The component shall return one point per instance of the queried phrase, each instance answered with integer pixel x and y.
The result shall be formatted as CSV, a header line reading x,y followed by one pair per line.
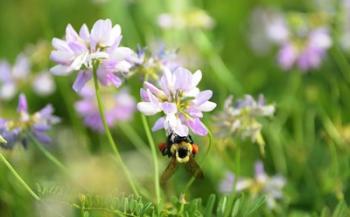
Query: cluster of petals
x,y
177,96
118,107
152,61
241,118
19,130
84,50
14,77
308,54
302,44
261,184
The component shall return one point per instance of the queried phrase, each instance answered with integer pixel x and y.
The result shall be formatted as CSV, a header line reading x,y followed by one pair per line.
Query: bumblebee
x,y
181,149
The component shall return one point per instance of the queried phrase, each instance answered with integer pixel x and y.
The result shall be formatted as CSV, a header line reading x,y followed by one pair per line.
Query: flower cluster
x,y
118,107
15,77
37,124
307,53
86,50
241,118
302,43
177,96
261,184
152,61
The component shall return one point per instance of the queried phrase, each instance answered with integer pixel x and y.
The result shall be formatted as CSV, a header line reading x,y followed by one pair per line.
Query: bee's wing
x,y
169,171
193,167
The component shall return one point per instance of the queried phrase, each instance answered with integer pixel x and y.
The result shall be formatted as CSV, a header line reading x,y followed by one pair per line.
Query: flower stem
x,y
47,154
18,177
154,156
109,135
135,139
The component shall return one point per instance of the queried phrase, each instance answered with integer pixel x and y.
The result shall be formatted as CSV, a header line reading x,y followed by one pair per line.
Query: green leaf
x,y
236,207
254,206
341,210
210,206
220,210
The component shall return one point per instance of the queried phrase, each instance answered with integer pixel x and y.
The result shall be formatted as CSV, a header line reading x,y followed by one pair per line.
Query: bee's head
x,y
182,151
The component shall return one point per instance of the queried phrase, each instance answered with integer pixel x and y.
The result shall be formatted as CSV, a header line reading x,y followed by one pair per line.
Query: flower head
x,y
20,75
82,51
268,27
306,54
176,95
152,61
118,107
12,76
260,184
37,124
241,118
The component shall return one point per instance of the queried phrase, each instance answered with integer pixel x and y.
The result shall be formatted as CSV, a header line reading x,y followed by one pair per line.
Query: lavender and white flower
x,y
307,54
302,43
241,118
260,184
267,27
37,124
100,46
11,77
118,107
176,96
43,83
152,61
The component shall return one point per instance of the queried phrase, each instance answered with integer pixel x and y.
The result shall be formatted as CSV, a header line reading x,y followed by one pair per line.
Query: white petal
x,y
147,108
61,70
196,78
207,106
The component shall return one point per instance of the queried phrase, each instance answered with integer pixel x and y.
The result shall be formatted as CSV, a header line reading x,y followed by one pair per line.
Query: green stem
x,y
47,154
18,177
134,138
238,160
154,156
109,135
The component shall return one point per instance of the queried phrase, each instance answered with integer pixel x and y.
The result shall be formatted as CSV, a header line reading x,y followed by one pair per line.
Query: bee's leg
x,y
193,168
168,172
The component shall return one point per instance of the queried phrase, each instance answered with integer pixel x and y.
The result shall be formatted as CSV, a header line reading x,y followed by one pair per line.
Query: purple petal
x,y
71,34
84,32
204,96
226,185
82,78
259,169
197,127
42,137
169,108
113,79
144,95
159,124
22,103
183,79
287,56
156,91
